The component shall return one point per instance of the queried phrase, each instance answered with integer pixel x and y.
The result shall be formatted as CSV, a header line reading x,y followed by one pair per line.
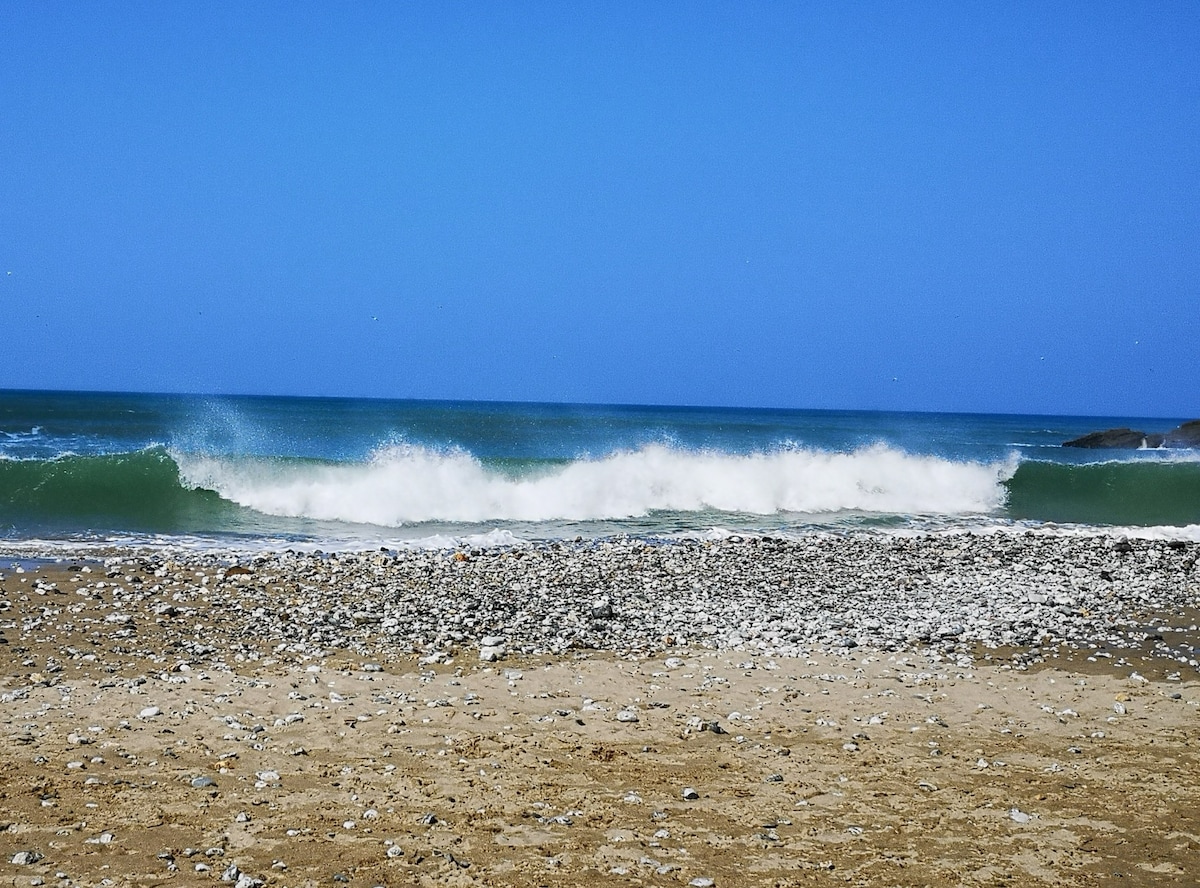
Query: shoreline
x,y
897,711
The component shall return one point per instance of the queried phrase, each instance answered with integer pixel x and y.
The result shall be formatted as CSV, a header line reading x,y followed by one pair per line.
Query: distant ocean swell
x,y
158,490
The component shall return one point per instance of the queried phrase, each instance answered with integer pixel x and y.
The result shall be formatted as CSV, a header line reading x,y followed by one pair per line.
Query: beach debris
x,y
689,793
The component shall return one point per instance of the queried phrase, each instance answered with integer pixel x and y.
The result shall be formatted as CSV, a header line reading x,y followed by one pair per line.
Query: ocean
x,y
262,472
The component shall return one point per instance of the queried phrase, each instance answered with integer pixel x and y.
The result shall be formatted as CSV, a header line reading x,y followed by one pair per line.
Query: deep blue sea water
x,y
266,471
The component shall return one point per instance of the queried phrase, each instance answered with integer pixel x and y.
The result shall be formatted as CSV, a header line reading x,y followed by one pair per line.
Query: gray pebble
x,y
1034,593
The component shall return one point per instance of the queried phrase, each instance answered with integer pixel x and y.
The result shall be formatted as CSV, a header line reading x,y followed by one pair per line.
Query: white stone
x,y
491,653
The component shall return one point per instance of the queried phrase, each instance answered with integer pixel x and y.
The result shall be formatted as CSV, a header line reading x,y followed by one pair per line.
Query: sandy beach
x,y
160,724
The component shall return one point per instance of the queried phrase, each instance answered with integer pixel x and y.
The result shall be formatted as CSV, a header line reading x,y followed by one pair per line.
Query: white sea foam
x,y
403,485
34,432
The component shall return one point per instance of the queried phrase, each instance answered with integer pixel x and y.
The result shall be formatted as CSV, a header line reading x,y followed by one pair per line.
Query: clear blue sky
x,y
942,206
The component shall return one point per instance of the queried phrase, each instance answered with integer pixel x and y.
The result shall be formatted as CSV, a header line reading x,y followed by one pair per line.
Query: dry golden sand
x,y
866,769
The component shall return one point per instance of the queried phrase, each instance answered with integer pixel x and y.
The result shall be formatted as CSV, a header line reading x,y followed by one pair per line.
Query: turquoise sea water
x,y
90,466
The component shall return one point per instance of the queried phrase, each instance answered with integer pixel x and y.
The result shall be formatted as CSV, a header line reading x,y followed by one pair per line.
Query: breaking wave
x,y
1138,493
158,490
403,485
161,491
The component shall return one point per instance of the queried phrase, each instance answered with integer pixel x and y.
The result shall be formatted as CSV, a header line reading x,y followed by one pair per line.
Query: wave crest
x,y
407,484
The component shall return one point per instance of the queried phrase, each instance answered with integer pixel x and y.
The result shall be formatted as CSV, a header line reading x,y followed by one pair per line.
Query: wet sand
x,y
127,759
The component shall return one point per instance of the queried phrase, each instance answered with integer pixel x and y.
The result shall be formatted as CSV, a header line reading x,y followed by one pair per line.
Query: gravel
x,y
948,594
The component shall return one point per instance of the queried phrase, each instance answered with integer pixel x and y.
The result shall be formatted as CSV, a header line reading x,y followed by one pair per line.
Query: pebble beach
x,y
993,709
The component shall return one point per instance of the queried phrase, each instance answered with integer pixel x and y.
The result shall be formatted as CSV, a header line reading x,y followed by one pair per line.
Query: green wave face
x,y
138,491
1117,493
144,491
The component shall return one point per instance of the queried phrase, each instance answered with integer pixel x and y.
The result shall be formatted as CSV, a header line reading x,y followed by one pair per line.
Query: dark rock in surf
x,y
1122,438
1187,435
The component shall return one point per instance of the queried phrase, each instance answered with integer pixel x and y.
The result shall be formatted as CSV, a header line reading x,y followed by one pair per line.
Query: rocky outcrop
x,y
1185,436
1122,438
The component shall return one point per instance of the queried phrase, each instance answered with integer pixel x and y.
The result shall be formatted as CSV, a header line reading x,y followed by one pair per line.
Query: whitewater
x,y
405,485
